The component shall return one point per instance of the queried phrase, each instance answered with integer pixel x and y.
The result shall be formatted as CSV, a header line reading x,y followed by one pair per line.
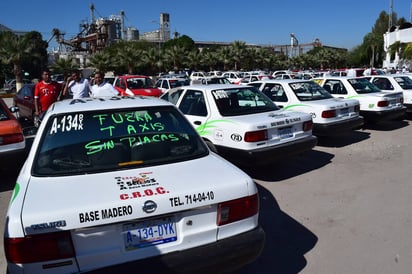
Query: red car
x,y
24,100
133,85
11,134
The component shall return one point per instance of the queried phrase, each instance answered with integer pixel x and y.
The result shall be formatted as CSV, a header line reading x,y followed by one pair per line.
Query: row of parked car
x,y
136,166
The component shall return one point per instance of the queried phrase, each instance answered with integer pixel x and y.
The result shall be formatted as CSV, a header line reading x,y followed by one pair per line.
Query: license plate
x,y
285,132
149,233
344,112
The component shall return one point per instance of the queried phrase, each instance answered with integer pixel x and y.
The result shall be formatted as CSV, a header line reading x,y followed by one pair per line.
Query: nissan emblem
x,y
149,206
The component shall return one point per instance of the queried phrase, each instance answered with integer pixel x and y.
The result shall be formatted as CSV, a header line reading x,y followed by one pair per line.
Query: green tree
x,y
153,59
175,57
238,51
101,61
194,59
407,53
18,50
184,42
64,65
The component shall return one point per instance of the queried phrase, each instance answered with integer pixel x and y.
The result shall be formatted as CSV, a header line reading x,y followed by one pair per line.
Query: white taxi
x,y
395,83
330,115
242,124
375,105
122,184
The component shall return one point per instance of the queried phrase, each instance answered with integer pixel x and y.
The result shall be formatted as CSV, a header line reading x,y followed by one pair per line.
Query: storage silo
x,y
132,34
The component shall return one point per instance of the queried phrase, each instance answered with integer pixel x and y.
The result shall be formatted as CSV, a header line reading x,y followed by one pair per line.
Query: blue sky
x,y
335,23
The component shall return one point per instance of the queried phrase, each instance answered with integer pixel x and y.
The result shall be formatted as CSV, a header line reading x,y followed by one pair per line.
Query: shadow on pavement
x,y
287,241
387,125
342,140
293,166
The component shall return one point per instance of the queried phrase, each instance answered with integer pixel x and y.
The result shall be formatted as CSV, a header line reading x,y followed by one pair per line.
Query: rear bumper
x,y
223,256
267,154
377,116
338,127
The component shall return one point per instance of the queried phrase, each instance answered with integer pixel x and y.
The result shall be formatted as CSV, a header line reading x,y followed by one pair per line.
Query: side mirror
x,y
14,109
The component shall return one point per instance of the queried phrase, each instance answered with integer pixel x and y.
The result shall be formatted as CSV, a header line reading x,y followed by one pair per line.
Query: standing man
x,y
79,87
101,88
46,92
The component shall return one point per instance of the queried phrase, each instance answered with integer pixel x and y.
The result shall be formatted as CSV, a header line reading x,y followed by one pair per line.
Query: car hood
x,y
60,203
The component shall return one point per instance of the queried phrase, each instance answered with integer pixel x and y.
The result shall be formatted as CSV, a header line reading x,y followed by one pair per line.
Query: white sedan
x,y
395,83
122,184
330,115
375,105
242,124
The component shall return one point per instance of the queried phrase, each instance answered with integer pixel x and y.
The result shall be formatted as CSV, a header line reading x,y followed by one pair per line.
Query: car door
x,y
120,86
25,101
194,107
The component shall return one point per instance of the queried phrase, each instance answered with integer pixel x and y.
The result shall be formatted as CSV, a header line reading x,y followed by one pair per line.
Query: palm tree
x,y
63,65
374,43
153,59
128,56
14,50
238,49
175,56
194,59
101,61
407,53
224,54
397,48
209,59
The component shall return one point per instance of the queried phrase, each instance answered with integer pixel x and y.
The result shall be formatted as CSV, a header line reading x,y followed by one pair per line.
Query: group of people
x,y
47,92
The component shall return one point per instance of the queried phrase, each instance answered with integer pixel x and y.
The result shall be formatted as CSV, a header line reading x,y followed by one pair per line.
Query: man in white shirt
x,y
79,87
101,88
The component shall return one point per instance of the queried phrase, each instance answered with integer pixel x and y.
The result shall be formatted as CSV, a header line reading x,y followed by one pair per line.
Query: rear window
x,y
363,86
242,101
99,141
404,81
309,91
142,82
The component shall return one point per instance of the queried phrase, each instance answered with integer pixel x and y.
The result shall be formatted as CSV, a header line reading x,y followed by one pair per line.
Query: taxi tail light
x,y
328,113
12,138
308,125
383,103
357,108
256,136
39,248
235,210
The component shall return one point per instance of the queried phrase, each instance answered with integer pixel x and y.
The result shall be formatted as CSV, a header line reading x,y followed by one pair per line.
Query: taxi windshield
x,y
98,141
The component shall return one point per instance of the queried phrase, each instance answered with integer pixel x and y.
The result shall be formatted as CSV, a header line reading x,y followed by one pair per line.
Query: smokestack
x,y
92,13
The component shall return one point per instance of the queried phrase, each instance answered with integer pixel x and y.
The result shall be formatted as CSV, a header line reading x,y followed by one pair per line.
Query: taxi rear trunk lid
x,y
72,202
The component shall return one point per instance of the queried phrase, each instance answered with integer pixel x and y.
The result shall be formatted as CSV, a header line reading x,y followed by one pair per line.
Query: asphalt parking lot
x,y
343,207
